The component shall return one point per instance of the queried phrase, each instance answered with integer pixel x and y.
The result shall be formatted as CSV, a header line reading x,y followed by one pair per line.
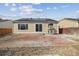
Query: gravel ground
x,y
38,44
39,51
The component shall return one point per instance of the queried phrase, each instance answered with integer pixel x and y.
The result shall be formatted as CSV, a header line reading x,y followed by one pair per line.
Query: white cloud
x,y
55,8
14,15
36,3
13,4
13,9
64,6
21,13
2,16
29,9
6,4
48,8
77,11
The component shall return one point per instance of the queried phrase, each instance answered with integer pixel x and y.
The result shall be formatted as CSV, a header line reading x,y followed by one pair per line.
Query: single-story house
x,y
40,25
35,25
68,26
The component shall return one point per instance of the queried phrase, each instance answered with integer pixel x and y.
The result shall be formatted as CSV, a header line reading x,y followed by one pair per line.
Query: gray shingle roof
x,y
45,20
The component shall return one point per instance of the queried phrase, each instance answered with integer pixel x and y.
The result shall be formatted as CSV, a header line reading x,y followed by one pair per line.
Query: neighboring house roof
x,y
31,20
4,20
4,23
72,19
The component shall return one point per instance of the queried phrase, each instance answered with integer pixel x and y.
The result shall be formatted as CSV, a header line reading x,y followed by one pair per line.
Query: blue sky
x,y
55,11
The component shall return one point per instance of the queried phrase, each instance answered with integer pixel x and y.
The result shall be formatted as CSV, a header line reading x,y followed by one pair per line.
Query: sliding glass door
x,y
38,27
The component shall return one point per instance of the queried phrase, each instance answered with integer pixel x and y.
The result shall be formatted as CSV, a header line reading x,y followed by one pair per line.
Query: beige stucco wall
x,y
6,24
31,28
56,27
67,24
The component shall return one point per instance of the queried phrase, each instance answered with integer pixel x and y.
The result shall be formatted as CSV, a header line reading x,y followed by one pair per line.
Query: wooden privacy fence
x,y
4,31
69,30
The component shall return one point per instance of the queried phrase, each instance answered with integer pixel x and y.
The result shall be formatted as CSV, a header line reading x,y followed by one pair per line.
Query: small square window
x,y
22,26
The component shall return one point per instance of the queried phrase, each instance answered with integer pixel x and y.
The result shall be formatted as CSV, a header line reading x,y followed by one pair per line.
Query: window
x,y
38,27
50,26
22,26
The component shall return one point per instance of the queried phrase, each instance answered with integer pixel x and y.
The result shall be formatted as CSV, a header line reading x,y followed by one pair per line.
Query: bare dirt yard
x,y
39,44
